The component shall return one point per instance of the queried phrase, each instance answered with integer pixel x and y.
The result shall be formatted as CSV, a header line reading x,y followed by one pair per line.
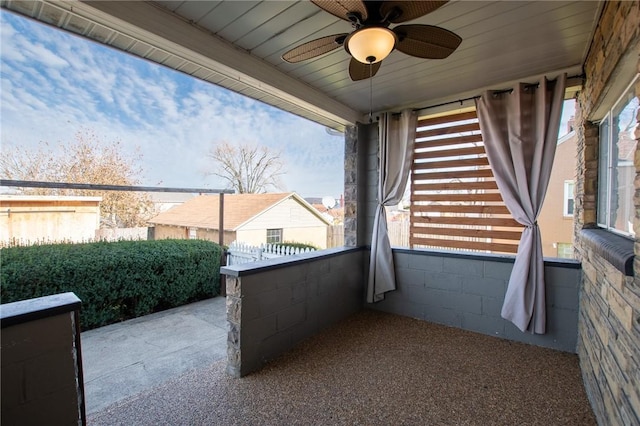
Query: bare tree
x,y
247,168
85,160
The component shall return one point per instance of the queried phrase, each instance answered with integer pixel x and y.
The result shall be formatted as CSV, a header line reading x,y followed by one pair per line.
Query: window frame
x,y
192,233
561,248
604,195
569,194
279,235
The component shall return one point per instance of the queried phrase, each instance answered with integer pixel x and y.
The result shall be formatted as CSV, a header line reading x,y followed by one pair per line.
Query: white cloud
x,y
174,119
39,53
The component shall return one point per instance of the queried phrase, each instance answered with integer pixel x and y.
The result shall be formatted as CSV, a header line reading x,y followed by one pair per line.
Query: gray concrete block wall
x,y
367,180
40,365
372,163
467,292
278,303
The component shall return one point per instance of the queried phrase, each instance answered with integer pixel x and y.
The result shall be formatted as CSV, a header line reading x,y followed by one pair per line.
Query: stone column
x,y
350,186
234,317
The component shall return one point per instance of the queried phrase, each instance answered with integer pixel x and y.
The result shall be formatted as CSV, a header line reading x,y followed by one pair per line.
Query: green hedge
x,y
115,281
296,245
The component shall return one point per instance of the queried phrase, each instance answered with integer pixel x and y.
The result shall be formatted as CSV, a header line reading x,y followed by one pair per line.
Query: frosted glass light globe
x,y
371,45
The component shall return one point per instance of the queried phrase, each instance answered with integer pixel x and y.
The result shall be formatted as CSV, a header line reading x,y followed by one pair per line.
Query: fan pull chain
x,y
370,92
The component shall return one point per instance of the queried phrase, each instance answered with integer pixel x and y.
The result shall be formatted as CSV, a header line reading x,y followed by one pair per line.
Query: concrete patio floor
x,y
124,359
375,369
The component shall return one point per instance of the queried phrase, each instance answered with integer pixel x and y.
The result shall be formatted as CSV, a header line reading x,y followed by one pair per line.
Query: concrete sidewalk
x,y
121,360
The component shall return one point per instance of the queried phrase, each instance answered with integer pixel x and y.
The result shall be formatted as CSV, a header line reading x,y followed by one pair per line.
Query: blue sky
x,y
54,84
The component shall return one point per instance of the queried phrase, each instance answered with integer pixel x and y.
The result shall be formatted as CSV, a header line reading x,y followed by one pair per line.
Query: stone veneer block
x,y
350,185
609,319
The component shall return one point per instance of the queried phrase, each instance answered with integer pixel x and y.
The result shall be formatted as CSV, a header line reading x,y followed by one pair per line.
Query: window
x,y
274,236
568,198
193,233
616,171
565,250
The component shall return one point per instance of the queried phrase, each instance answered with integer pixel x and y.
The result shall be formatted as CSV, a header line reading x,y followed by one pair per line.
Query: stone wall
x,y
467,291
274,304
350,186
609,321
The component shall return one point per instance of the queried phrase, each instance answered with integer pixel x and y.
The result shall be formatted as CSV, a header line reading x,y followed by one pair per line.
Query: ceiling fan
x,y
372,40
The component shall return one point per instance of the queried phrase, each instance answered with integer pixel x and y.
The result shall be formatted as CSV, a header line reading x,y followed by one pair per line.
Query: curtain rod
x,y
470,98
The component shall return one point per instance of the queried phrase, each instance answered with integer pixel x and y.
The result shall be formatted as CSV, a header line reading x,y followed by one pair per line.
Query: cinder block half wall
x,y
467,291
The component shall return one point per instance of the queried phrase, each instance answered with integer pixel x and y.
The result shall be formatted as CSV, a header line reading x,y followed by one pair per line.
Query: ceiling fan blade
x,y
426,41
314,48
341,8
408,9
359,71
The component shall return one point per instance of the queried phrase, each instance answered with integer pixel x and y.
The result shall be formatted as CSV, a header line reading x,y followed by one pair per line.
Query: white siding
x,y
287,214
296,221
254,237
316,236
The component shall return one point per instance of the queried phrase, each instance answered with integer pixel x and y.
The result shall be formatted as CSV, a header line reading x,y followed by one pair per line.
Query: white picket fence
x,y
118,234
238,253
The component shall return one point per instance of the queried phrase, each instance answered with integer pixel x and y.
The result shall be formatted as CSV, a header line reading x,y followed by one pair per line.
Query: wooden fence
x,y
335,236
398,234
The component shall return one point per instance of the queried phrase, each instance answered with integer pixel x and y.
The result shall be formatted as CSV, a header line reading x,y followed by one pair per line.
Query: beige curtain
x,y
396,135
520,133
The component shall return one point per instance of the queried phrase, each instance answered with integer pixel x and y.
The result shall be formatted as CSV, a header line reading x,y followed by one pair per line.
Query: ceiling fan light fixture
x,y
370,45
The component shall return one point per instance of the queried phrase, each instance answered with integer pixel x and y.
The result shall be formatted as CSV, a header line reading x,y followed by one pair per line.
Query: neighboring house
x,y
625,177
334,215
248,218
163,201
28,219
556,218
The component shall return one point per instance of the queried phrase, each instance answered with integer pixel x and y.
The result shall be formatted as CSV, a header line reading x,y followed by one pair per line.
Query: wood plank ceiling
x,y
238,45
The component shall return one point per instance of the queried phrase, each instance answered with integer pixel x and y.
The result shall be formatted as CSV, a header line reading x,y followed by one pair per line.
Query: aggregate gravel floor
x,y
376,369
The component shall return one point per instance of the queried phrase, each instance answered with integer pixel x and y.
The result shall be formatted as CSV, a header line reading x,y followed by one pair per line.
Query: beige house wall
x,y
298,224
163,232
316,236
253,237
212,235
288,213
554,226
31,219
